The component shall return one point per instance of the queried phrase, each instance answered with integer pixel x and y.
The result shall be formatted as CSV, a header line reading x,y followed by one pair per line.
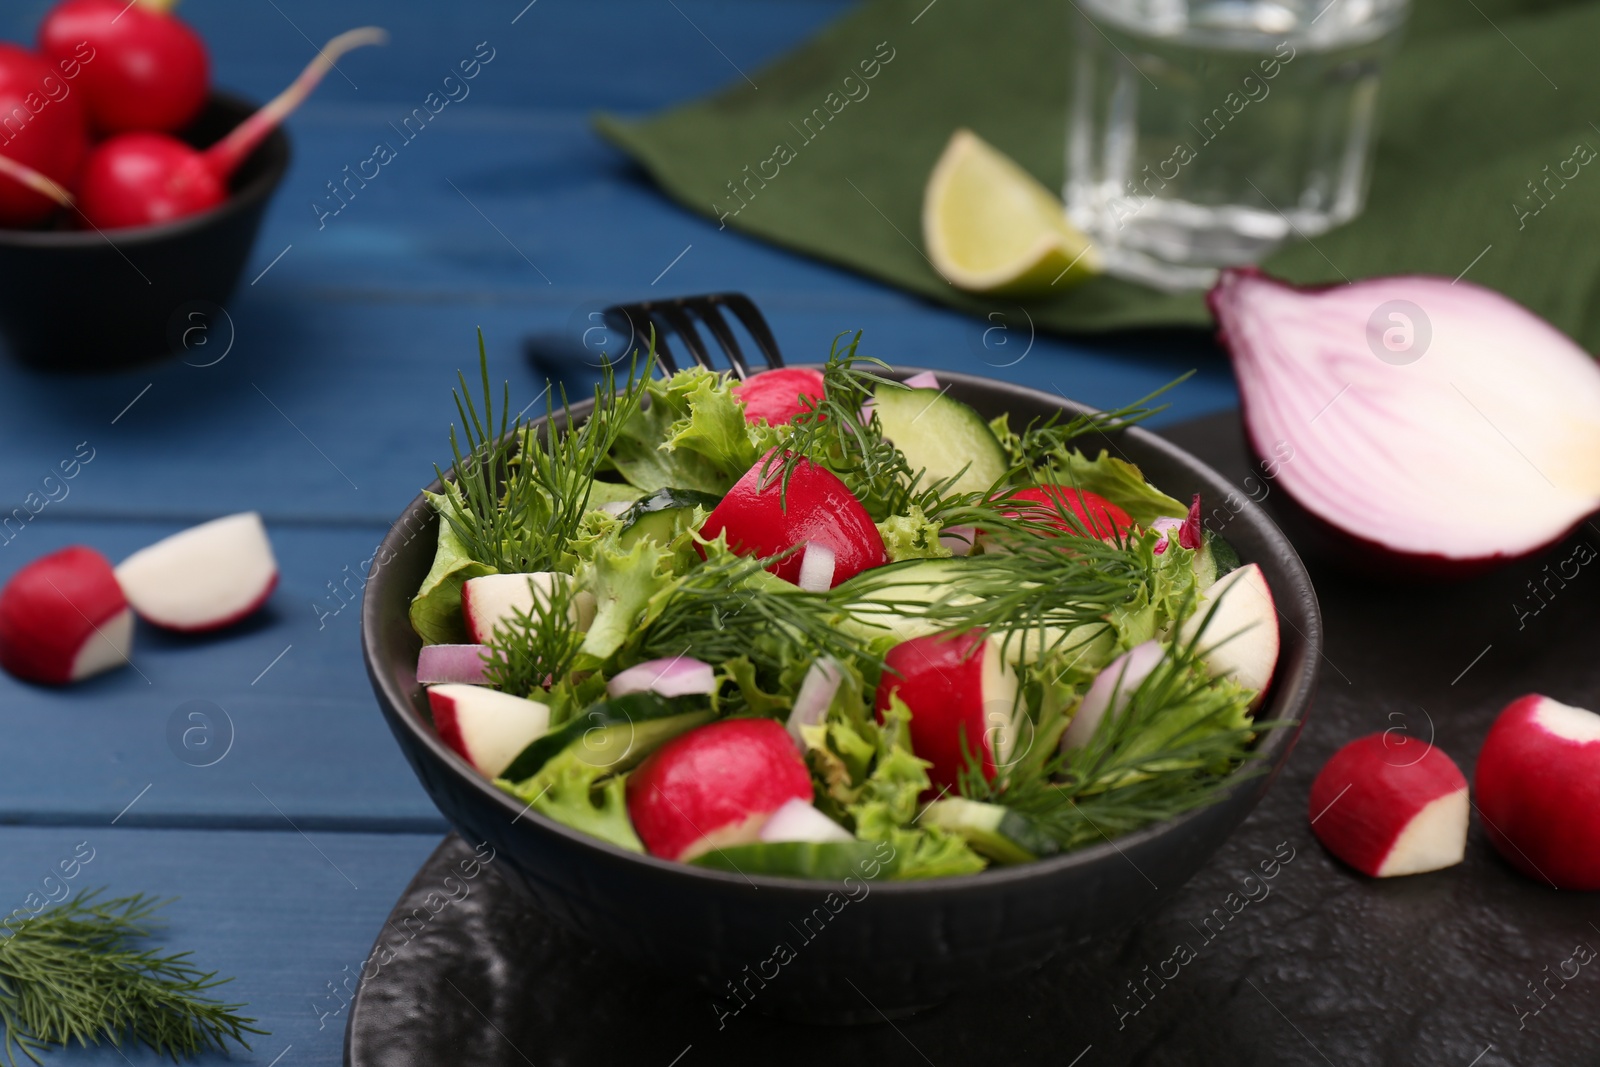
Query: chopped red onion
x,y
816,568
922,380
816,693
460,664
675,677
959,539
1431,423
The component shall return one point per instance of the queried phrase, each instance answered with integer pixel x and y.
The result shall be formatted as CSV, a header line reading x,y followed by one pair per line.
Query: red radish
x,y
63,617
715,787
1538,784
149,70
488,601
1389,805
202,578
142,178
819,510
463,664
1095,514
1241,639
675,677
797,820
777,396
487,727
44,131
1119,678
962,698
1404,401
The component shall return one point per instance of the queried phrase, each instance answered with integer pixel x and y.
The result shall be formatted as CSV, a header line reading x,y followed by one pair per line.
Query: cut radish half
x,y
1241,638
1390,805
487,727
1538,782
202,578
675,677
816,568
1409,402
714,787
1119,678
63,617
462,664
797,820
817,690
489,601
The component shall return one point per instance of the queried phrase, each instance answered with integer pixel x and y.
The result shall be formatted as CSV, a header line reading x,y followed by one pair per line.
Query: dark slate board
x,y
1316,965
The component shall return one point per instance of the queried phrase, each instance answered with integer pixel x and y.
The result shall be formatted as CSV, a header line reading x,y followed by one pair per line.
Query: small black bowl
x,y
908,944
80,300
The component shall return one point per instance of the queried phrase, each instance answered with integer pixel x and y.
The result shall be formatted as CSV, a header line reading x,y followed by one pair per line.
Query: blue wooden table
x,y
327,414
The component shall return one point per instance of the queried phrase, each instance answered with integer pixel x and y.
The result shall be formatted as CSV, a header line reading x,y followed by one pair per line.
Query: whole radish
x,y
42,127
149,70
143,178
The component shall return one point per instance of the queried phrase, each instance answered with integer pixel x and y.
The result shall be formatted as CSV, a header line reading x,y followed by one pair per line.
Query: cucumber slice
x,y
1215,558
941,436
614,734
887,597
831,861
991,829
602,493
663,515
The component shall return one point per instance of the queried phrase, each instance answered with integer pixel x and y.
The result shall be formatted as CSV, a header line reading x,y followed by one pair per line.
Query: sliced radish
x,y
1241,638
797,820
1389,805
63,617
1096,516
714,787
1538,783
487,727
817,690
1119,678
961,697
675,677
777,396
463,664
1411,400
817,563
762,517
489,601
202,578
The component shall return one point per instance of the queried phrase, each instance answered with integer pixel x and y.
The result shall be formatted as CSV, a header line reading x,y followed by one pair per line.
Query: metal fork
x,y
678,316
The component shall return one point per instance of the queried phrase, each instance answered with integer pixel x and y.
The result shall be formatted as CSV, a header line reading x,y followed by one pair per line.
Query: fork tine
x,y
674,314
706,308
755,322
636,321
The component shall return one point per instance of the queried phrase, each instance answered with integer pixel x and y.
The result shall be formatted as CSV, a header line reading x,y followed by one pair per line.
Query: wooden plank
x,y
284,914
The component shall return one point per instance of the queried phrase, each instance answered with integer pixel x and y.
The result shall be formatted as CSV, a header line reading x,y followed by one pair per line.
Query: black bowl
x,y
80,300
907,944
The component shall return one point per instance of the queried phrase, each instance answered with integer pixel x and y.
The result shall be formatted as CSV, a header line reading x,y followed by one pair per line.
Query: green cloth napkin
x,y
1482,96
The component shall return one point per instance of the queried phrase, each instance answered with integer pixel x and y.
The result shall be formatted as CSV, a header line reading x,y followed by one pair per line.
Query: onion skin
x,y
1338,544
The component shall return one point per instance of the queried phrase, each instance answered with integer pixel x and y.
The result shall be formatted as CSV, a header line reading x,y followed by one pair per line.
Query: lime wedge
x,y
991,227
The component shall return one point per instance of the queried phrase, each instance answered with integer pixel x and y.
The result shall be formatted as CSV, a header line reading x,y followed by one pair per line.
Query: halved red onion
x,y
445,664
817,690
675,677
1120,678
922,380
959,539
1431,423
816,568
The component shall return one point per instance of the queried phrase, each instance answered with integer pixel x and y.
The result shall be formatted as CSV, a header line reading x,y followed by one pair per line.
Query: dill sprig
x,y
726,608
72,974
530,650
1172,748
520,491
1044,439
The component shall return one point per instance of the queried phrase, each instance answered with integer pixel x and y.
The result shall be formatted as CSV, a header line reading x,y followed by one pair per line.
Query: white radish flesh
x,y
799,821
1119,679
489,601
675,677
816,568
202,578
487,727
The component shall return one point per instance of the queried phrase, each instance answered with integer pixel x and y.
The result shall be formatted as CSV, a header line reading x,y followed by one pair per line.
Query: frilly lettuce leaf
x,y
623,583
569,791
436,609
911,536
691,435
1119,482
